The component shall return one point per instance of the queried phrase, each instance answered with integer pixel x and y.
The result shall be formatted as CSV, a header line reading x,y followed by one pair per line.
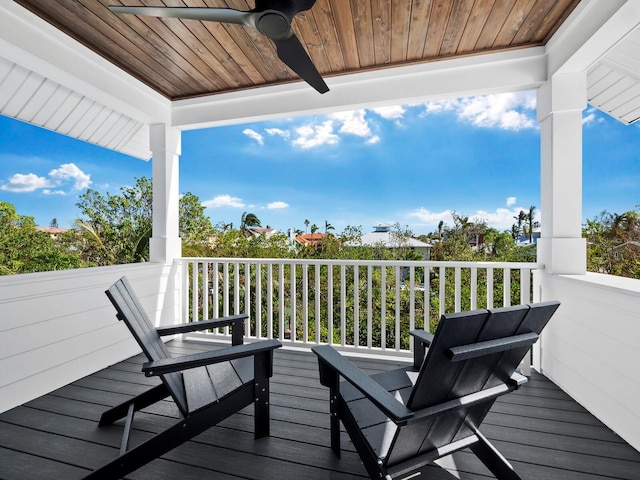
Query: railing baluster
x,y
258,300
330,303
383,307
305,303
426,282
369,306
205,290
443,282
269,300
506,287
247,297
195,286
317,303
412,297
457,281
473,301
525,286
215,297
292,315
489,287
356,306
397,315
343,305
281,301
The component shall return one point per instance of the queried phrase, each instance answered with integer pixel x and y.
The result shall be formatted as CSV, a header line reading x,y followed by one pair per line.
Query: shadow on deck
x,y
540,429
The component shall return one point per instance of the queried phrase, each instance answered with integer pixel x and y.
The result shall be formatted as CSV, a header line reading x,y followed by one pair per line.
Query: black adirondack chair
x,y
207,387
402,420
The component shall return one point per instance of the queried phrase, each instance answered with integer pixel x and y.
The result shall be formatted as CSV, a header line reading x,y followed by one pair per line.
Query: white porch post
x,y
561,101
165,244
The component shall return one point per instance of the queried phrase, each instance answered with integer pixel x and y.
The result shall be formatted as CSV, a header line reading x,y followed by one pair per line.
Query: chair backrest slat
x,y
438,374
131,312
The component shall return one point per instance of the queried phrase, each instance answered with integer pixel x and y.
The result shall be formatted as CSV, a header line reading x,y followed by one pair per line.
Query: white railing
x,y
351,304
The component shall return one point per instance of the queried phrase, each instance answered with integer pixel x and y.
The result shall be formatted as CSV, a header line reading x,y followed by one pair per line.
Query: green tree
x,y
116,229
24,249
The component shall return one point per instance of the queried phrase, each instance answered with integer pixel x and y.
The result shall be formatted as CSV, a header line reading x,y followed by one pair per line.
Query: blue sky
x,y
413,165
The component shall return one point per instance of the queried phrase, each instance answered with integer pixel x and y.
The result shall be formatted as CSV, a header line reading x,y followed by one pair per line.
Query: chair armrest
x,y
236,322
423,336
422,340
385,401
176,364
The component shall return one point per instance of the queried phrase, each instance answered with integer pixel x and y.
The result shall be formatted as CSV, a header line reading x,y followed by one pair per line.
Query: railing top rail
x,y
388,263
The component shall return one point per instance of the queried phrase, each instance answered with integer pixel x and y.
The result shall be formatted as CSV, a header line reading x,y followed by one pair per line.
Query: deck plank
x,y
540,429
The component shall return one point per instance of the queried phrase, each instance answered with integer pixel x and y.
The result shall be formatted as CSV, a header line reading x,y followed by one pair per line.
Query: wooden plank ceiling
x,y
189,58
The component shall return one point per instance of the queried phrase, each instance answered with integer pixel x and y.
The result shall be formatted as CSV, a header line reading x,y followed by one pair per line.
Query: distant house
x,y
52,231
310,239
256,232
383,236
523,240
626,249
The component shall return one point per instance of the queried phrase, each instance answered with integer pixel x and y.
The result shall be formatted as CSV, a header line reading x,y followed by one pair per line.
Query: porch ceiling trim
x,y
474,75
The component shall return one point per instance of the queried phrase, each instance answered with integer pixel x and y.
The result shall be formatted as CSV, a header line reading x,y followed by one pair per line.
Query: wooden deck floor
x,y
540,429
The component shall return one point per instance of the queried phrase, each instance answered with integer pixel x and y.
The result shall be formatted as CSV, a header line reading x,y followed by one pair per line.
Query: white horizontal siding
x,y
32,98
590,346
57,327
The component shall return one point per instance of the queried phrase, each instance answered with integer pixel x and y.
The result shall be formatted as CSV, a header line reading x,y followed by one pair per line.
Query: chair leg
x,y
493,459
139,402
261,372
334,422
140,455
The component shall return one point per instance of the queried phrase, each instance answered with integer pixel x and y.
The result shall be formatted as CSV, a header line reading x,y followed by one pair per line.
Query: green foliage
x,y
23,249
116,228
613,243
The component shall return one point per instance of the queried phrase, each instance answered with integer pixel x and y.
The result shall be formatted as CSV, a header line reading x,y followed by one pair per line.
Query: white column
x,y
561,101
165,244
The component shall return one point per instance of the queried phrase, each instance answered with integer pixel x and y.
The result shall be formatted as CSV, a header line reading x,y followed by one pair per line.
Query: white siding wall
x,y
591,346
57,327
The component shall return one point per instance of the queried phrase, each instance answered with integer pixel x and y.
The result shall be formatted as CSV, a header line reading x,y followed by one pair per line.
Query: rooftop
x,y
540,429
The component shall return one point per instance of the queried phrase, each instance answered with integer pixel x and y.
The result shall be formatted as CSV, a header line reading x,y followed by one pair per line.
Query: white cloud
x,y
373,140
390,113
25,183
511,201
254,135
429,218
310,136
278,132
353,122
277,205
508,111
70,171
501,219
65,179
224,201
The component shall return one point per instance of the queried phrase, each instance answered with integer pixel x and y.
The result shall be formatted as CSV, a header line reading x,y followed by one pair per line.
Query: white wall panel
x,y
57,327
590,347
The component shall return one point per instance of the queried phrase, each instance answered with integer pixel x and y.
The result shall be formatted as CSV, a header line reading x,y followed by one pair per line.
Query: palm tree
x,y
327,227
530,216
314,228
440,225
521,218
306,225
248,220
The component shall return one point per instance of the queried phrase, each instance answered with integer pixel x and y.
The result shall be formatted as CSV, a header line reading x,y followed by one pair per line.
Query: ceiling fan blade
x,y
291,52
227,15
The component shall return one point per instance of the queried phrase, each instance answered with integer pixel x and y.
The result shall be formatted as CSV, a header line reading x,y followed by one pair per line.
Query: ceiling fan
x,y
271,18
